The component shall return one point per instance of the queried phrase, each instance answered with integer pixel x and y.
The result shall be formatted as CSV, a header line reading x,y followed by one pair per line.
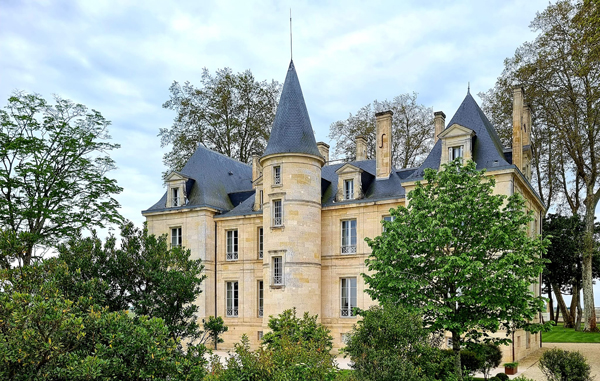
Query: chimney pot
x,y
324,150
383,148
361,148
440,124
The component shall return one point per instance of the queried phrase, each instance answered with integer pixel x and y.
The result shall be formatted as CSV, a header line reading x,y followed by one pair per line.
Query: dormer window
x,y
175,197
455,152
277,175
349,189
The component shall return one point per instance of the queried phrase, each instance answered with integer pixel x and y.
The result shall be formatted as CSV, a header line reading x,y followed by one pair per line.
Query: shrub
x,y
557,365
490,357
502,377
523,378
494,379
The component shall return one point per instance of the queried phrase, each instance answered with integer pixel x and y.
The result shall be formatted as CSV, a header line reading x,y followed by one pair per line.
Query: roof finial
x,y
468,87
291,50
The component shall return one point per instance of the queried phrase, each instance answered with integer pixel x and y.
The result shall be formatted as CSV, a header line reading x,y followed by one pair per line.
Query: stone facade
x,y
288,231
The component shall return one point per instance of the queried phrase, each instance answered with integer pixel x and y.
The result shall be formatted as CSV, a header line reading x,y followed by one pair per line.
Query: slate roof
x,y
292,131
213,177
487,148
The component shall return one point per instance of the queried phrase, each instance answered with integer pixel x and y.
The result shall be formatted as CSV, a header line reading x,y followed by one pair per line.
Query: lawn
x,y
559,334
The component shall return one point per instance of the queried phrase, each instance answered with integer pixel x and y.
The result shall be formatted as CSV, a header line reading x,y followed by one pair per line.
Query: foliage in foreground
x,y
46,336
460,256
297,349
559,365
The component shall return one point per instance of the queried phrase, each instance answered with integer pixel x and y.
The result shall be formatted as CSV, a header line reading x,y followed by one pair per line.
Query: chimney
x,y
361,148
383,147
517,138
324,150
256,168
440,124
526,125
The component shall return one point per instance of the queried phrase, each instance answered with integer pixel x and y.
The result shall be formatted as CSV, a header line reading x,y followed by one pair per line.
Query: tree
x,y
46,336
213,328
561,76
390,343
141,273
412,131
460,256
230,113
53,162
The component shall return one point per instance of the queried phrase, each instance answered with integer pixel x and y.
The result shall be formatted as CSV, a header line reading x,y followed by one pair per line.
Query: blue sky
x,y
120,58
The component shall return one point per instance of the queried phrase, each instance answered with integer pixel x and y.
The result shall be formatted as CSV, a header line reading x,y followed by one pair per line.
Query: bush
x,y
502,377
489,355
494,379
557,365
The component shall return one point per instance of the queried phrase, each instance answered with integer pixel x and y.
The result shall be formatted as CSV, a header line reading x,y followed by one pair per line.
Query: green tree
x,y
560,72
390,343
46,336
460,256
412,130
213,328
229,113
53,165
141,273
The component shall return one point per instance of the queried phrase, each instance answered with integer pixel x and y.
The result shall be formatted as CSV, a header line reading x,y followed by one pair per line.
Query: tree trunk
x,y
579,314
456,349
574,301
563,307
557,315
589,310
551,303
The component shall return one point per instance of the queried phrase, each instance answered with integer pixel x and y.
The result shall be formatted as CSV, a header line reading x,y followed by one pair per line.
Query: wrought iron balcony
x,y
347,311
349,249
232,256
277,221
260,312
232,312
278,280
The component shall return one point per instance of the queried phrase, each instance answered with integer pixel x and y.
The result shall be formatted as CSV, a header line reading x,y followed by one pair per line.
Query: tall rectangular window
x,y
455,152
277,175
349,237
175,197
260,298
348,189
262,198
232,299
260,243
277,271
232,245
387,219
277,213
176,237
348,297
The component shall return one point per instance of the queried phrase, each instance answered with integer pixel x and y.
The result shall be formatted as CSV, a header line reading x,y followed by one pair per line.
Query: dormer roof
x,y
292,131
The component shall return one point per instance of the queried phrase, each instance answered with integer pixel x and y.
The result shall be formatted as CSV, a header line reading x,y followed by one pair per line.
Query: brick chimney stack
x,y
383,147
517,137
361,148
440,124
324,150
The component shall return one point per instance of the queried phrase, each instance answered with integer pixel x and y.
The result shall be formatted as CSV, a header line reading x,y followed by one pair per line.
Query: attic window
x,y
175,200
455,152
277,175
348,189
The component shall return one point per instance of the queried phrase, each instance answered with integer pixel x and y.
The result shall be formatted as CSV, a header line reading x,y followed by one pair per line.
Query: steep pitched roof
x,y
292,131
487,148
215,177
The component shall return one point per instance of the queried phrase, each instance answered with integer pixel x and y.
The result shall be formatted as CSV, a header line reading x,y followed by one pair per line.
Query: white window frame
x,y
232,299
388,219
175,197
232,244
277,175
176,237
277,271
348,297
277,213
261,243
348,237
453,150
349,189
261,296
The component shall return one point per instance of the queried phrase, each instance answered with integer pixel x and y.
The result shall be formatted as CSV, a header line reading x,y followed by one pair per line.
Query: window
x,y
260,335
260,298
388,219
277,213
348,297
345,337
260,243
277,271
232,299
176,237
455,152
348,189
232,245
261,198
349,237
277,175
175,197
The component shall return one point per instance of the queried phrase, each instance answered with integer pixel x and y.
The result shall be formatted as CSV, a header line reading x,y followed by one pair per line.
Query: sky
x,y
120,57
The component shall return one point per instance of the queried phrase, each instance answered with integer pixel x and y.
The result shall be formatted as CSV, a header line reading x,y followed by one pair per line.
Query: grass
x,y
559,334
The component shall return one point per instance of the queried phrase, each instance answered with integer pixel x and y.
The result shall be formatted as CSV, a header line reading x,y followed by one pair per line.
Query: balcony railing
x,y
349,249
260,312
232,312
232,256
347,311
178,201
277,221
277,280
260,254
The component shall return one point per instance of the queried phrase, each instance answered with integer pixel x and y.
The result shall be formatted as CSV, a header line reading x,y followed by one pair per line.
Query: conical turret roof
x,y
292,131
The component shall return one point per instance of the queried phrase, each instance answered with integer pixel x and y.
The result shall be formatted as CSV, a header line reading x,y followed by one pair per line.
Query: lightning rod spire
x,y
291,50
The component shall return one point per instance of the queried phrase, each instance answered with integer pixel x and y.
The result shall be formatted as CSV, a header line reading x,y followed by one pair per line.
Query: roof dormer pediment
x,y
258,182
456,130
176,176
348,168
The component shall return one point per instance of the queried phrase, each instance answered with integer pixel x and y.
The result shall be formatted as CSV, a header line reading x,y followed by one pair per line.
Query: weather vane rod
x,y
291,50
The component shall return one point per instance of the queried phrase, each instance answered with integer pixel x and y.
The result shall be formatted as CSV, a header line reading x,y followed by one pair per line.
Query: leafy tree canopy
x,y
459,255
53,165
229,113
412,131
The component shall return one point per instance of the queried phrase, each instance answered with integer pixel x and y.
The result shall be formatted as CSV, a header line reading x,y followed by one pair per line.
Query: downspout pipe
x,y
216,314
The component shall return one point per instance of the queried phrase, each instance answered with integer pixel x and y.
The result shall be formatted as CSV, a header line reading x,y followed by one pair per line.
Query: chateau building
x,y
288,231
